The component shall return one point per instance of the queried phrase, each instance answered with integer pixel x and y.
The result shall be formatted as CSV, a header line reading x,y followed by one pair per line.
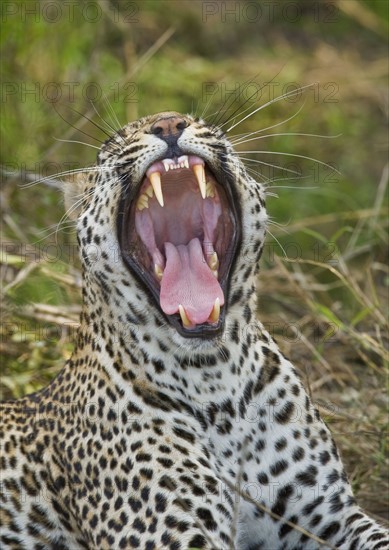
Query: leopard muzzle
x,y
179,234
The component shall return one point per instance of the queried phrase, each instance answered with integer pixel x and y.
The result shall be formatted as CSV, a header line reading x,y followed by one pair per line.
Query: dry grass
x,y
343,360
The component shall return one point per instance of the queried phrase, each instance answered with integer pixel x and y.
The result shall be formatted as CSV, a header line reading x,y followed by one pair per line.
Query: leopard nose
x,y
169,128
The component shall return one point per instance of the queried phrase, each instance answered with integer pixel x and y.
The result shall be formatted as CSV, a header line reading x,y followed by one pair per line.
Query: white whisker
x,y
240,142
79,142
106,124
275,100
248,134
292,155
277,241
61,174
255,161
111,113
291,187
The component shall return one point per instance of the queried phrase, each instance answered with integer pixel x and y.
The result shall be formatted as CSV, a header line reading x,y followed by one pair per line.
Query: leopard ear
x,y
75,190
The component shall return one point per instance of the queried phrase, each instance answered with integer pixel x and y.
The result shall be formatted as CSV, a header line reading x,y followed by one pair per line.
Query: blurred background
x,y
310,78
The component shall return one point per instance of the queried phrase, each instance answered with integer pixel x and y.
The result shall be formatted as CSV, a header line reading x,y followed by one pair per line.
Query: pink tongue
x,y
188,280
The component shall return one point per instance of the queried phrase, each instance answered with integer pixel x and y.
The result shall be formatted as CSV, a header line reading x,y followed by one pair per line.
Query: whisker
x,y
278,242
72,208
68,229
75,127
275,100
256,161
235,99
109,127
281,227
112,114
79,142
240,142
293,155
257,174
249,98
208,104
248,134
92,121
61,174
295,187
44,231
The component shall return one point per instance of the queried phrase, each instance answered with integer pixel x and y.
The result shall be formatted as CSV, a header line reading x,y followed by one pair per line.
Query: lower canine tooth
x,y
215,313
199,172
184,317
155,179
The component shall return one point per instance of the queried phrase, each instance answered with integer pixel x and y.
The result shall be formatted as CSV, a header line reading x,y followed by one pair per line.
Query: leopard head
x,y
171,223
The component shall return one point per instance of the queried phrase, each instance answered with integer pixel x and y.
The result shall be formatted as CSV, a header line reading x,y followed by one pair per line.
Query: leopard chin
x,y
179,232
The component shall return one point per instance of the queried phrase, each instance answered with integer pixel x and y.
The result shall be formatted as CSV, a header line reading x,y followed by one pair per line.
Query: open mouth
x,y
179,234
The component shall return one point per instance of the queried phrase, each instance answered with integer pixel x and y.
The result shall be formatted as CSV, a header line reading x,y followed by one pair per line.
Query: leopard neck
x,y
140,353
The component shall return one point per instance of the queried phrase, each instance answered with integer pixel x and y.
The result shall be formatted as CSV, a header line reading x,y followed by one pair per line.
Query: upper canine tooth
x,y
199,172
215,313
155,180
184,317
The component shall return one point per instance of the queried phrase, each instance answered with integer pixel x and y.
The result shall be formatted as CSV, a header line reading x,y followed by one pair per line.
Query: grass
x,y
324,280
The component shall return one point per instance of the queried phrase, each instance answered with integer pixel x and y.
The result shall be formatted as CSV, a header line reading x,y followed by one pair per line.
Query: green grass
x,y
324,280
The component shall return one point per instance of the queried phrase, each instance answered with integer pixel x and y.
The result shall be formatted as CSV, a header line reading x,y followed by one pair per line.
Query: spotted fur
x,y
150,440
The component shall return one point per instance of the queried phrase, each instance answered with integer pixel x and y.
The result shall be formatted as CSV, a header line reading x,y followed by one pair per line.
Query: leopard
x,y
177,422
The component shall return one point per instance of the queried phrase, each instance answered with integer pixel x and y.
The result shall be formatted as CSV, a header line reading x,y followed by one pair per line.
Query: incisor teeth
x,y
167,165
184,317
215,313
158,271
199,172
186,162
155,179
